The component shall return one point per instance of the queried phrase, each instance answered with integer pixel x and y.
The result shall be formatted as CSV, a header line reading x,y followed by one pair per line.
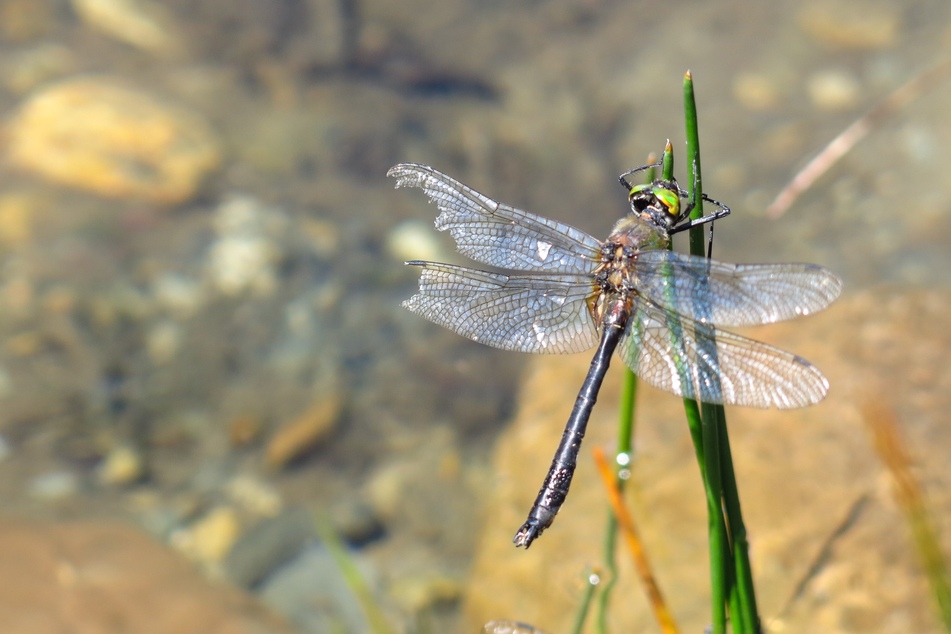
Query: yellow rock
x,y
141,23
16,217
102,137
209,539
301,434
846,24
123,465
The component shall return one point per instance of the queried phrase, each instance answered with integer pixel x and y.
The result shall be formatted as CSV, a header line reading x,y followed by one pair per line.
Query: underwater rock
x,y
99,136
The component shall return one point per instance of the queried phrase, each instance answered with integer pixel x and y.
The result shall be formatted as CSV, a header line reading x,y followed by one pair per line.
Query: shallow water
x,y
194,328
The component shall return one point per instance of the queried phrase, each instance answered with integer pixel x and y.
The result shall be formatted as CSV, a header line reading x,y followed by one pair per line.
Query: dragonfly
x,y
560,290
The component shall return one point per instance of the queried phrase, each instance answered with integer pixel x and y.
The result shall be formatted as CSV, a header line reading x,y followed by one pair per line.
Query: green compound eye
x,y
670,200
638,190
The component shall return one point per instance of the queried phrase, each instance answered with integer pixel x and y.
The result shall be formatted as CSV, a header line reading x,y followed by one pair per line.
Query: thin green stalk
x,y
733,579
718,540
351,574
610,574
690,407
582,614
624,447
625,430
741,547
711,415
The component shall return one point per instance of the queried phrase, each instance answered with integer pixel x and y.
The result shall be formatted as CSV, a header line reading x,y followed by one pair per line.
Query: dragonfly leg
x,y
722,212
623,177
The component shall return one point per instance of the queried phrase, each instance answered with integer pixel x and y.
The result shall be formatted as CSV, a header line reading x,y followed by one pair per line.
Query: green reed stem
x,y
730,572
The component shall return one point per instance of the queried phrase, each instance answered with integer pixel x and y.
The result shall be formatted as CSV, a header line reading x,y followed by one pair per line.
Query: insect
x,y
565,291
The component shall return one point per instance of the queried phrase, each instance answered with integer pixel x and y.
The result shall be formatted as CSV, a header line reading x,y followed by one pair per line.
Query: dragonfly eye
x,y
659,200
641,197
670,201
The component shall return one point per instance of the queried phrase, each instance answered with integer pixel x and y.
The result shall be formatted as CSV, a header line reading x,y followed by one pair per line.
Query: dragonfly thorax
x,y
616,273
636,233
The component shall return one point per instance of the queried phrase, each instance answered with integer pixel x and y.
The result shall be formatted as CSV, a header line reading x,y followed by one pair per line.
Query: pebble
x,y
356,521
140,23
853,25
210,538
123,465
244,257
54,485
756,91
415,240
99,136
313,594
103,576
59,300
268,545
243,430
179,295
833,90
324,236
418,593
254,495
163,341
302,434
385,490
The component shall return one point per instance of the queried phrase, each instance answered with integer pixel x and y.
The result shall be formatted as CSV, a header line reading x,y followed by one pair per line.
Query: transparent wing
x,y
733,294
497,234
526,313
680,356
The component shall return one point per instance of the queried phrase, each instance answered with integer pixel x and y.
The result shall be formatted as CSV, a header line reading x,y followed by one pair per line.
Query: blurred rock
x,y
418,593
254,495
178,294
163,340
833,90
824,532
416,240
210,538
244,258
99,136
141,23
54,485
852,25
756,91
302,434
16,217
123,465
102,577
356,521
244,430
23,20
268,545
312,593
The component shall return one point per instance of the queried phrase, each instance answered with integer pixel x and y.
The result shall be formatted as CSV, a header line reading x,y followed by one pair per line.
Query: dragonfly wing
x,y
698,361
733,294
525,313
497,234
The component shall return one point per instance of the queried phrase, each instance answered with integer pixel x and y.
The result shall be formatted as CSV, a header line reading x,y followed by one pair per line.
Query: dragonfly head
x,y
657,202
